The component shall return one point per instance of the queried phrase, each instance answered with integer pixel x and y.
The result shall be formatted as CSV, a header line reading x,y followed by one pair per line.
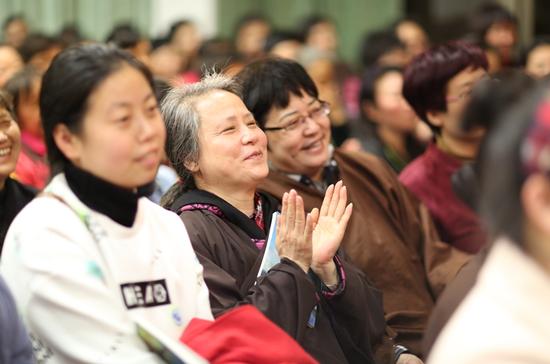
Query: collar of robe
x,y
118,203
202,200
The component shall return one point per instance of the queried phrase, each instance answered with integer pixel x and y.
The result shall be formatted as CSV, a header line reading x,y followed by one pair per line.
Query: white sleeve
x,y
71,314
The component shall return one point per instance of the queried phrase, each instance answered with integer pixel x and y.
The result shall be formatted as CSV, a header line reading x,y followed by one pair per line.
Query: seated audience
x,y
13,195
390,236
10,63
504,317
412,35
388,124
220,155
438,84
490,100
536,60
127,37
99,255
32,167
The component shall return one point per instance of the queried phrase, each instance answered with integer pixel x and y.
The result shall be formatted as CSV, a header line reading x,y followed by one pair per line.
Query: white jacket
x,y
505,318
78,288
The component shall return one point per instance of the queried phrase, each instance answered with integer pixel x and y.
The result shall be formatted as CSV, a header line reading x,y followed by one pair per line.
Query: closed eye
x,y
228,129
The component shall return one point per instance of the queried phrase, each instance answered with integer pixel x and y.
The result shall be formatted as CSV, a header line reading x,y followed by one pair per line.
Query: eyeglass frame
x,y
324,108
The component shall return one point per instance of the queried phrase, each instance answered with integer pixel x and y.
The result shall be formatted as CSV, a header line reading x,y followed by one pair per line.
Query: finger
x,y
326,200
345,218
284,212
334,199
300,218
342,200
314,216
291,213
308,233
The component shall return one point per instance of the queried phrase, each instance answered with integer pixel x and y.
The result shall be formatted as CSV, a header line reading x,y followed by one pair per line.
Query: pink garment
x,y
32,168
428,177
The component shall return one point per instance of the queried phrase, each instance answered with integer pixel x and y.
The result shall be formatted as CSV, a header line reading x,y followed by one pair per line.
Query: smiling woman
x,y
99,255
13,195
220,154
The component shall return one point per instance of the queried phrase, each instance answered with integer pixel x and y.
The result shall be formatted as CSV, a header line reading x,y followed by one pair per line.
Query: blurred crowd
x,y
442,150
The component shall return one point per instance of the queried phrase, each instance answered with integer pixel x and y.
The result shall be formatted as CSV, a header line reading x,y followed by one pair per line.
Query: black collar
x,y
119,203
232,214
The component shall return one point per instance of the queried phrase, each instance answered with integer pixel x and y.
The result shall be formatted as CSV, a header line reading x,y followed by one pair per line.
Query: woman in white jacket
x,y
91,255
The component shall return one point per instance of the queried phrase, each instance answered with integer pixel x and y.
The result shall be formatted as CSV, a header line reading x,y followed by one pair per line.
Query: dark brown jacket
x,y
391,238
286,295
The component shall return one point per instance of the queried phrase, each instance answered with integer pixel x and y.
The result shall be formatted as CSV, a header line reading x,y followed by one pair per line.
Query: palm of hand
x,y
327,236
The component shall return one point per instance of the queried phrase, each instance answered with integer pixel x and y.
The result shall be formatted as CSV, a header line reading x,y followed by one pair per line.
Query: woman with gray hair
x,y
220,155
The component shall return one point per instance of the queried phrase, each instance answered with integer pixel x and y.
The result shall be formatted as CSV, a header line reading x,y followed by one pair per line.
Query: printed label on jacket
x,y
145,294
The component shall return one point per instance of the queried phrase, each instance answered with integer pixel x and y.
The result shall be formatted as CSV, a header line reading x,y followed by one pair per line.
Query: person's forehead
x,y
466,77
539,51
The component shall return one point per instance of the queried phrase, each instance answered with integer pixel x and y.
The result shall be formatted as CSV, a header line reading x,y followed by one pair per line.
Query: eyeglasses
x,y
320,111
467,93
464,95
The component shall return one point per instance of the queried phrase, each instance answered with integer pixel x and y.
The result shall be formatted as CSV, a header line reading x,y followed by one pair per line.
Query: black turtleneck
x,y
119,203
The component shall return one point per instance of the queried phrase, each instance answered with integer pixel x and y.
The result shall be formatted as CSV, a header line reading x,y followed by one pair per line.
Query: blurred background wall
x,y
444,19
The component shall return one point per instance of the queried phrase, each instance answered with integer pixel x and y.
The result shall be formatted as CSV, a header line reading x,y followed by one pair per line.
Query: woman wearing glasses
x,y
220,155
390,236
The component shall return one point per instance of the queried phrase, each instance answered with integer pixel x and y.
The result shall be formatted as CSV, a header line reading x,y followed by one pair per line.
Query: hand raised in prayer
x,y
329,227
294,231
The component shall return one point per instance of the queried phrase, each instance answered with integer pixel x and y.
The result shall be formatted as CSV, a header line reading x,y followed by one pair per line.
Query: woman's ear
x,y
68,143
435,118
193,167
535,199
370,110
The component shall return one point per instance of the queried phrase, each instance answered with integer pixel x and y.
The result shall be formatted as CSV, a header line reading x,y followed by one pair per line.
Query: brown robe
x,y
391,237
286,295
452,297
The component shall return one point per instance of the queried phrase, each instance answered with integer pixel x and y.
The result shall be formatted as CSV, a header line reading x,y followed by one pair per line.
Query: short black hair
x,y
277,37
426,77
369,79
124,36
247,19
488,14
21,84
10,19
175,26
6,102
311,21
375,44
34,44
269,82
68,83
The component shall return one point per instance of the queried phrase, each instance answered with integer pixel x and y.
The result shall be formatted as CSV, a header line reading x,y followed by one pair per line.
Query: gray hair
x,y
182,122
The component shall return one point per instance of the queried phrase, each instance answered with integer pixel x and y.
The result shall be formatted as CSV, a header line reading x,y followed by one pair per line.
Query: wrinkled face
x,y
10,63
538,61
459,89
122,135
390,108
10,144
233,149
303,147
